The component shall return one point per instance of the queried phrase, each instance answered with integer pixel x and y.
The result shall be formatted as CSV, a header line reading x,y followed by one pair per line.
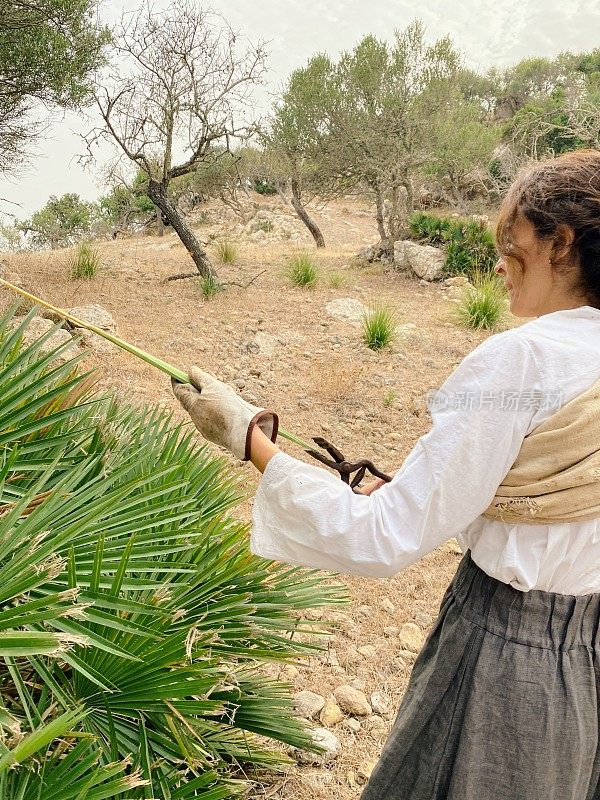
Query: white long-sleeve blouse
x,y
499,393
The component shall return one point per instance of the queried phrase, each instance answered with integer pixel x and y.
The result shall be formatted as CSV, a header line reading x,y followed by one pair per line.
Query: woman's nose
x,y
499,268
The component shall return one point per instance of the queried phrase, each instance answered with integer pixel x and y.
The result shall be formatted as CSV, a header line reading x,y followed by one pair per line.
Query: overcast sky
x,y
499,32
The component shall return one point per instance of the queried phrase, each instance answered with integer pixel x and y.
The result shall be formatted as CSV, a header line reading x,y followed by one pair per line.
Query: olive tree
x,y
376,120
49,50
179,87
299,130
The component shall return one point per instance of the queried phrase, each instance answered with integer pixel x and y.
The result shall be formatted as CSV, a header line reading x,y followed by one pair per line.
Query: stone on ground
x,y
352,701
346,309
308,704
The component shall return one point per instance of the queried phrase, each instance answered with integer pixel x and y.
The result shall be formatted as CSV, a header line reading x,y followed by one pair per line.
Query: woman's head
x,y
548,235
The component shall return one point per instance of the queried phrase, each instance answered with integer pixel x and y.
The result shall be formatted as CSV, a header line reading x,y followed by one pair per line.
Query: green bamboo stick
x,y
163,366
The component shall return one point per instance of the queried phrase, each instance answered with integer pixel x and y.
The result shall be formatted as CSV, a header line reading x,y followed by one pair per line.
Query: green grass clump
x,y
389,398
210,286
85,262
302,270
226,251
482,305
379,326
336,280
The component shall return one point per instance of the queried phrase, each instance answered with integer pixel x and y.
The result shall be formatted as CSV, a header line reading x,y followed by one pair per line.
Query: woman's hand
x,y
371,487
221,415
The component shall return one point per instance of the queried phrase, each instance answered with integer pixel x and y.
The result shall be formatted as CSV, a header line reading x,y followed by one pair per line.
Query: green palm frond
x,y
128,593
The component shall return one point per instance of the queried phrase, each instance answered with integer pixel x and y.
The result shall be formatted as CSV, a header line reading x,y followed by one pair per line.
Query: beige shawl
x,y
556,475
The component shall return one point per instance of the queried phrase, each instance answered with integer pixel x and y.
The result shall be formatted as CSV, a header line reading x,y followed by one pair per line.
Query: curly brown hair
x,y
552,195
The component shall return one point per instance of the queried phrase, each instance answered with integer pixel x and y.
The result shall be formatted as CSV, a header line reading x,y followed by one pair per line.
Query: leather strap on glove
x,y
221,415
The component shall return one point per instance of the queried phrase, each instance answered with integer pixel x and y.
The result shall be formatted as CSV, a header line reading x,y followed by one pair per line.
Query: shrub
x,y
226,251
379,326
264,186
468,243
431,228
85,262
116,532
302,270
61,222
210,286
482,305
265,225
471,250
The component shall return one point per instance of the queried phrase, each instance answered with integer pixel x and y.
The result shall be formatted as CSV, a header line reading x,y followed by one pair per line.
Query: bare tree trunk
x,y
157,192
410,195
458,198
312,226
387,243
280,189
160,225
380,216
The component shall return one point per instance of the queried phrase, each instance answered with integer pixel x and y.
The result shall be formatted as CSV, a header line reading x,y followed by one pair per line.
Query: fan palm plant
x,y
133,618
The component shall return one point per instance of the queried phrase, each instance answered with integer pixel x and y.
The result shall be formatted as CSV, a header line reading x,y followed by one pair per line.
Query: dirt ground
x,y
322,380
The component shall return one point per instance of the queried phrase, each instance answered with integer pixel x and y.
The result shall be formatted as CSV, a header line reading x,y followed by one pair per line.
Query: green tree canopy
x,y
61,222
48,52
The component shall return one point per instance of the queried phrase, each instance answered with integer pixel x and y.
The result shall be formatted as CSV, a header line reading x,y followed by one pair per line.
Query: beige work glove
x,y
221,415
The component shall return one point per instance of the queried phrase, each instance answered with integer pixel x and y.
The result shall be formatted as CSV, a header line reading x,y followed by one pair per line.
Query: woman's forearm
x,y
262,449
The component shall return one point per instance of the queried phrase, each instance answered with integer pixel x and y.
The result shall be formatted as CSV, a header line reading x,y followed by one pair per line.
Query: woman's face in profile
x,y
532,284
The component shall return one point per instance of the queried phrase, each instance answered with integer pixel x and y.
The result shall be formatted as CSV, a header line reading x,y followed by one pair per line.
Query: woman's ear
x,y
563,239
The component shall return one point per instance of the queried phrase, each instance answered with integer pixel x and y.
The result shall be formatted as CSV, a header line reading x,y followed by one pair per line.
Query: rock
x,y
258,236
371,253
352,701
425,261
364,612
423,283
411,637
331,658
352,724
456,280
239,383
331,714
91,314
308,704
325,739
12,277
290,672
265,343
423,620
377,726
367,650
95,341
38,326
388,606
346,309
407,656
391,630
364,770
381,704
353,656
407,329
400,261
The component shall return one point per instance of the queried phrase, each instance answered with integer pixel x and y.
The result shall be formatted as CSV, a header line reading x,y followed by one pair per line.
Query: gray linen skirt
x,y
503,700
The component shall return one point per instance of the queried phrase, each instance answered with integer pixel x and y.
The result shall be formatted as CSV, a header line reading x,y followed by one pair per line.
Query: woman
x,y
502,703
